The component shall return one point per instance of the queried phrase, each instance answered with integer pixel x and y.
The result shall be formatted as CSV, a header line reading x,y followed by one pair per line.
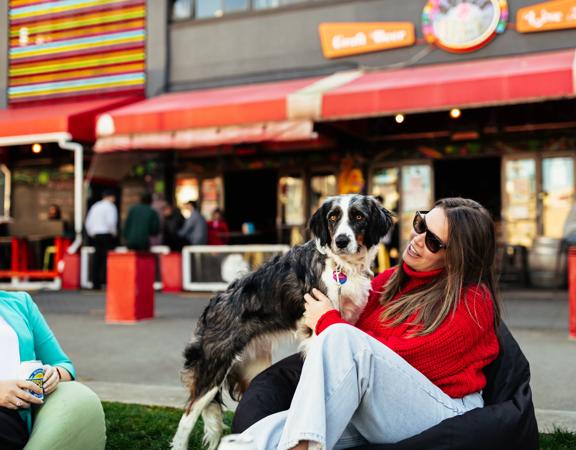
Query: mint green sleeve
x,y
46,345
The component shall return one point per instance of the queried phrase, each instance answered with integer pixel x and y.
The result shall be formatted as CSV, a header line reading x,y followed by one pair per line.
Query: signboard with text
x,y
554,15
345,39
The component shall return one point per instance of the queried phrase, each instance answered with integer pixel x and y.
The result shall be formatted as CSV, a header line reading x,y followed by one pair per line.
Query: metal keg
x,y
547,262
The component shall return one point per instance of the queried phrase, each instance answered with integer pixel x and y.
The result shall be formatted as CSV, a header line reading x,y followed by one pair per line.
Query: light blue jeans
x,y
354,390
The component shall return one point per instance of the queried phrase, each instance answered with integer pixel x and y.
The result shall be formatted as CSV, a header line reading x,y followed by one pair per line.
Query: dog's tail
x,y
204,382
193,357
213,424
189,419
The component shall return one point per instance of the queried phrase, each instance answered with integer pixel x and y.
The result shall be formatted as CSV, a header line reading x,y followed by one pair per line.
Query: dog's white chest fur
x,y
348,297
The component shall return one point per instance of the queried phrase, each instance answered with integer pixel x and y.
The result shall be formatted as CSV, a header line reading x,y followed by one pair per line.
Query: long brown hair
x,y
469,263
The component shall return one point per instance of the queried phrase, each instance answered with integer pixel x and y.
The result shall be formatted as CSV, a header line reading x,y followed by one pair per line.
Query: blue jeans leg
x,y
354,390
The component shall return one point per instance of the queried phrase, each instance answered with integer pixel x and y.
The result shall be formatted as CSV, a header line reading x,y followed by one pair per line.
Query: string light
x,y
399,118
455,113
36,148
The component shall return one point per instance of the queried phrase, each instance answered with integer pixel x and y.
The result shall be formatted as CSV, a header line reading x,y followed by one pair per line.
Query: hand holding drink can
x,y
33,371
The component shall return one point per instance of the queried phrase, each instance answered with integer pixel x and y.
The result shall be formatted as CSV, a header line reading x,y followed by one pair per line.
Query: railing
x,y
86,261
21,276
210,268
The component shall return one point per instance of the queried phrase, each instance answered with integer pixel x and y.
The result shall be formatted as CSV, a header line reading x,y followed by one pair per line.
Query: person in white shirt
x,y
102,227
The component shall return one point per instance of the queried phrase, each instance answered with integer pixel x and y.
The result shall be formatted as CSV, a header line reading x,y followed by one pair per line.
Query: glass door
x,y
557,193
321,186
5,185
291,220
520,201
416,195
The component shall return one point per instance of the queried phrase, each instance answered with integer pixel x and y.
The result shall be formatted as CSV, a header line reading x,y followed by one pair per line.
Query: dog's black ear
x,y
319,223
379,222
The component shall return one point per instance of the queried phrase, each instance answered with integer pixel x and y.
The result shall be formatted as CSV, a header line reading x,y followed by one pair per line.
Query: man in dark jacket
x,y
506,421
142,223
173,222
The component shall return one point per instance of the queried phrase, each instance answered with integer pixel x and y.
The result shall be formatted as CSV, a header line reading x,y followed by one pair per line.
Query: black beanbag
x,y
506,422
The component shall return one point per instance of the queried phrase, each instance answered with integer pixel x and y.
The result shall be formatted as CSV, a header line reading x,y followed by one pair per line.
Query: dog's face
x,y
349,224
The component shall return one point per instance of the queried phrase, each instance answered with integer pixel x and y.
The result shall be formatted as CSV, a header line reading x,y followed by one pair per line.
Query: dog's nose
x,y
342,241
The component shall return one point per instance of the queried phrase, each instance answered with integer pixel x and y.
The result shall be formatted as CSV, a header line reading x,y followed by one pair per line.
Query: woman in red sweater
x,y
415,356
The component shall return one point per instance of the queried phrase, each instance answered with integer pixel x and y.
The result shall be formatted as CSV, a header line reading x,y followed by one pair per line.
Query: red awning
x,y
52,122
208,108
256,113
498,81
287,110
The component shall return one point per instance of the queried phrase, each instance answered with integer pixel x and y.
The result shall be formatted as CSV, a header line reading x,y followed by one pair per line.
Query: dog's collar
x,y
339,277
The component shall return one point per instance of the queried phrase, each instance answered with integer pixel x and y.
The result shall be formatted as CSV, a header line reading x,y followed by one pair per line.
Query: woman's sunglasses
x,y
433,242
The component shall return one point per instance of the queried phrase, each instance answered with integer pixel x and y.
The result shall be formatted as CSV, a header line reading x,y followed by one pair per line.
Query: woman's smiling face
x,y
417,255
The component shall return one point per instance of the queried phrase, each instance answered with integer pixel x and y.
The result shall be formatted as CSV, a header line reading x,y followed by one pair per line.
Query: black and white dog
x,y
255,309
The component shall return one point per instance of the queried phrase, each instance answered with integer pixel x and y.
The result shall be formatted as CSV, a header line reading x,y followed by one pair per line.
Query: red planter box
x,y
130,287
171,272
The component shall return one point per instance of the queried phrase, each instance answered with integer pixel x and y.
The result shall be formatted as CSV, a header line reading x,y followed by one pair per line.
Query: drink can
x,y
33,371
236,442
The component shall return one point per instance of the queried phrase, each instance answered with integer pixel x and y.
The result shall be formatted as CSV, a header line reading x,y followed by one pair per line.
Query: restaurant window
x,y
266,4
212,196
204,9
557,193
385,185
321,186
186,190
181,9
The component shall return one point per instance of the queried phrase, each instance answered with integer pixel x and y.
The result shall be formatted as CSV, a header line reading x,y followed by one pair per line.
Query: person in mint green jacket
x,y
25,336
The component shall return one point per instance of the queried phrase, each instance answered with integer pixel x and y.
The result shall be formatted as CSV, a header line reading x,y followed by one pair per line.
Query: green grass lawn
x,y
151,428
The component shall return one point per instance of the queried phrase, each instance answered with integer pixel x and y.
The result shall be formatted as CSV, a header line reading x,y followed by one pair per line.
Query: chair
x,y
49,253
72,418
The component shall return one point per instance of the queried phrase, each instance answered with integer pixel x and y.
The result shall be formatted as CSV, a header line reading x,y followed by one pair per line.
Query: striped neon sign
x,y
68,48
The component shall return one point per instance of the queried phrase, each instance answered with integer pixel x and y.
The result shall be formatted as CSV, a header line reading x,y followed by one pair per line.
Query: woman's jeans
x,y
354,390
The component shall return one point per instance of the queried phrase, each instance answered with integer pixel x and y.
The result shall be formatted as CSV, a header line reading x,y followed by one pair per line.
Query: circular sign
x,y
463,25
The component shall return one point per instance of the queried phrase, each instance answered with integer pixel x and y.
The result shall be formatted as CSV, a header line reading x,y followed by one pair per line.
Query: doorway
x,y
251,197
478,179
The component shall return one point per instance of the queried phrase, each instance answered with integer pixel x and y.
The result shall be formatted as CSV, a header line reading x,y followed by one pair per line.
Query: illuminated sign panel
x,y
463,26
72,48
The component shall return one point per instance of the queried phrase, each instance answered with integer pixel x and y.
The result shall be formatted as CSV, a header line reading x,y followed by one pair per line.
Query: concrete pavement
x,y
140,363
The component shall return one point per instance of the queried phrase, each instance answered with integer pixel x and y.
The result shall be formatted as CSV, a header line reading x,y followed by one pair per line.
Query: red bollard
x,y
572,293
171,272
71,272
130,287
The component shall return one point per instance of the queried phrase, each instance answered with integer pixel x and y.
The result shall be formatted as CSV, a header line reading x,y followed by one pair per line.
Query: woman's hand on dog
x,y
317,304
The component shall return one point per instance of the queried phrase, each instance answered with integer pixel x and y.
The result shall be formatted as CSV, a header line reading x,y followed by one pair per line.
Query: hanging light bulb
x,y
399,118
36,148
455,113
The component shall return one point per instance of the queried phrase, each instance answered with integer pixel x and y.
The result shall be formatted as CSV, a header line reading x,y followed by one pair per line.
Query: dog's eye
x,y
332,218
359,217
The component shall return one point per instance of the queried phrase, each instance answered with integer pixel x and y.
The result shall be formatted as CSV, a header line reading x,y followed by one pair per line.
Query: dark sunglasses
x,y
433,242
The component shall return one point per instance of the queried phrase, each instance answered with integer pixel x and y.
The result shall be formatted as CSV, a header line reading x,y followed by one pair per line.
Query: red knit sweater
x,y
452,356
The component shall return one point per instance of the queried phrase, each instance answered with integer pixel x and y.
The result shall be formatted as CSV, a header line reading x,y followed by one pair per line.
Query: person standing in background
x,y
141,224
217,229
173,222
195,229
102,226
